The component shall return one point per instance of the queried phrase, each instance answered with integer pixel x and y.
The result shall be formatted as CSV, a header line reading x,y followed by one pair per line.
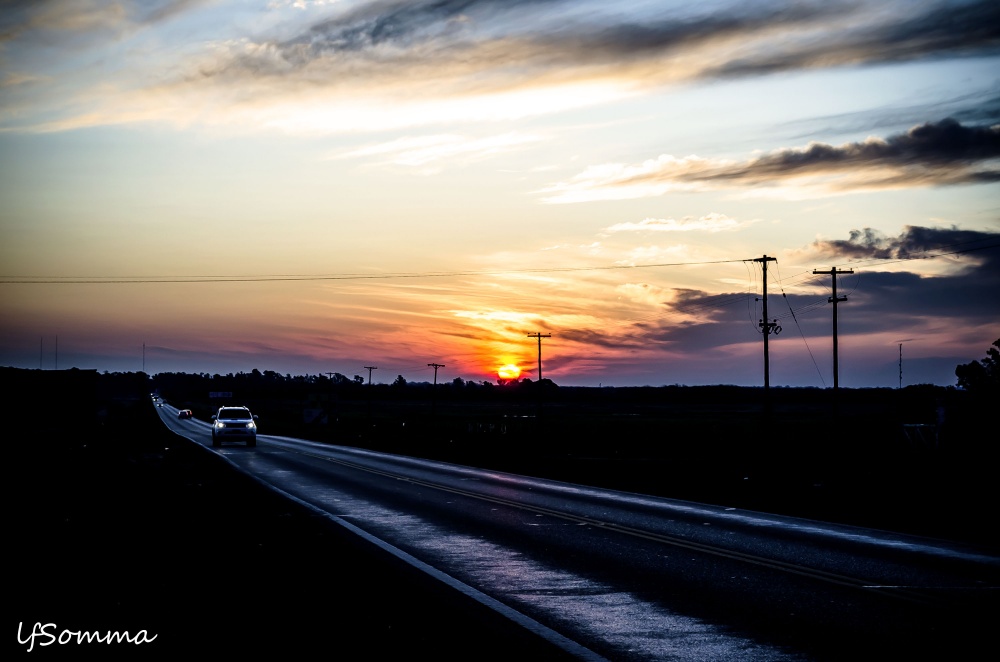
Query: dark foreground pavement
x,y
124,532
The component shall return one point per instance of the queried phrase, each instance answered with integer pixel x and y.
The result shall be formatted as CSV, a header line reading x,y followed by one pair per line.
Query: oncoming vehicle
x,y
234,424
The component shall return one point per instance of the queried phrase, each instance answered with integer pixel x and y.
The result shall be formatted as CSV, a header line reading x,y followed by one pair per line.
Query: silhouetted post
x,y
369,368
901,363
539,336
835,300
434,389
538,386
766,326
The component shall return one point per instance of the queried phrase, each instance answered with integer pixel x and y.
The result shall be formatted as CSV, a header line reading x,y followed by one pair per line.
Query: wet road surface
x,y
623,576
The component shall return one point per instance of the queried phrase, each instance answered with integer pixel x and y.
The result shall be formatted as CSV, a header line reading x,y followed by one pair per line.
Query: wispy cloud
x,y
378,64
427,152
709,223
932,154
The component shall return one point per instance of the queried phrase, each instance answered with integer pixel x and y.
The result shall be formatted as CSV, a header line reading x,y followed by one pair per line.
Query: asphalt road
x,y
599,573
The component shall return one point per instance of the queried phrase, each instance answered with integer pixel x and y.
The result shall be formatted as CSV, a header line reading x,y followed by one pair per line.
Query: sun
x,y
508,371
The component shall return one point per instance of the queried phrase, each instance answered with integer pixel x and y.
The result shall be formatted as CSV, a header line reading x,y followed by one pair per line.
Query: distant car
x,y
185,413
234,424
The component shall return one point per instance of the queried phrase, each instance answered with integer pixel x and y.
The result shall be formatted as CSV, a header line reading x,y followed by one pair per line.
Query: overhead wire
x,y
63,280
66,280
798,326
706,303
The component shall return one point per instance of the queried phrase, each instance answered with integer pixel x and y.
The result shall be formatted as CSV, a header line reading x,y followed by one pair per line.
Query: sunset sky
x,y
314,186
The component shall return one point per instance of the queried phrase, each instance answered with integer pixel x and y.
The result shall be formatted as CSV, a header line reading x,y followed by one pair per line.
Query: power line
x,y
804,341
784,296
113,280
110,280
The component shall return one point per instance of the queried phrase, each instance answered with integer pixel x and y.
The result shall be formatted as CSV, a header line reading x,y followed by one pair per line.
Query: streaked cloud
x,y
51,22
709,223
427,152
375,65
933,154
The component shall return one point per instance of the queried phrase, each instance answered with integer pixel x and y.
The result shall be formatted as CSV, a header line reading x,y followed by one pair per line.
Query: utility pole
x,y
539,336
835,300
369,368
766,326
900,365
901,360
434,392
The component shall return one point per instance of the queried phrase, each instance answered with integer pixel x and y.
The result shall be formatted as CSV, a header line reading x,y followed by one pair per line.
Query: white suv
x,y
234,424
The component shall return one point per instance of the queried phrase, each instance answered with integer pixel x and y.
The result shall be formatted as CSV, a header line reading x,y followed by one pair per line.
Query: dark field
x,y
120,532
116,530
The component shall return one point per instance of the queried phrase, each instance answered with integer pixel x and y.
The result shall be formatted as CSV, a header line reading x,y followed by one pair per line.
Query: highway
x,y
624,576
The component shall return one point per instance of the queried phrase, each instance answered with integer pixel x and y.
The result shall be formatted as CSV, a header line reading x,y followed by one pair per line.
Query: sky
x,y
610,191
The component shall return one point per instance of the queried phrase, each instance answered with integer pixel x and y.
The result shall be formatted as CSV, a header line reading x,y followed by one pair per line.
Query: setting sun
x,y
509,371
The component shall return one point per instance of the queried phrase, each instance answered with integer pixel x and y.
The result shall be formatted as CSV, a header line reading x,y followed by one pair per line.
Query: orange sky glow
x,y
289,186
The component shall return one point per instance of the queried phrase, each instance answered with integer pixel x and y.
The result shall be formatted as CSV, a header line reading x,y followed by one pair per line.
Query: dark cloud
x,y
967,28
400,24
869,243
540,33
667,34
554,33
696,322
928,152
935,153
967,294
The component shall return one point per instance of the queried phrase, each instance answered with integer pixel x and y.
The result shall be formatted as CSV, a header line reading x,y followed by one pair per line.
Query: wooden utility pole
x,y
767,327
835,300
900,365
539,336
434,392
369,368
